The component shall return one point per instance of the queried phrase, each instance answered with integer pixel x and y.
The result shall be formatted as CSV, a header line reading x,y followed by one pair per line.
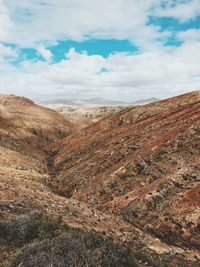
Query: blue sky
x,y
124,50
101,47
105,47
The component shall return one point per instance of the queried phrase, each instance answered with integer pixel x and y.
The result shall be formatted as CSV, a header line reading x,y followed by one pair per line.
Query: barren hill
x,y
31,213
25,130
127,186
142,164
36,123
87,114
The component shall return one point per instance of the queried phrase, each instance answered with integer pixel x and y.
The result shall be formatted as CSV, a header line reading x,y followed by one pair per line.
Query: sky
x,y
118,49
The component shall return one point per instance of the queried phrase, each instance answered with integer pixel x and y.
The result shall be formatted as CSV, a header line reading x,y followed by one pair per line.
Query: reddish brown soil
x,y
134,176
143,164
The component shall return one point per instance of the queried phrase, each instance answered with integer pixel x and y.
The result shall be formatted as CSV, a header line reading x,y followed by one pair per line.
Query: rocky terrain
x,y
126,187
86,114
143,165
25,131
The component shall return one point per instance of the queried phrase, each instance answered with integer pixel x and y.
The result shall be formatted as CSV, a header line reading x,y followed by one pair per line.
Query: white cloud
x,y
182,10
161,74
157,71
7,55
46,53
7,52
6,24
32,23
48,21
191,35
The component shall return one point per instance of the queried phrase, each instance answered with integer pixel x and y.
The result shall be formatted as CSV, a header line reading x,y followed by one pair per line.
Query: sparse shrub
x,y
27,228
40,242
75,248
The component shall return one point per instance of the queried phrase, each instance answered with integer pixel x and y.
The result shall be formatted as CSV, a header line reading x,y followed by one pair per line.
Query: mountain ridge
x,y
99,101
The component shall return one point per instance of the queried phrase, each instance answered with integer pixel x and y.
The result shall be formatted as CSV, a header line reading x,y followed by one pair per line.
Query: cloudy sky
x,y
115,49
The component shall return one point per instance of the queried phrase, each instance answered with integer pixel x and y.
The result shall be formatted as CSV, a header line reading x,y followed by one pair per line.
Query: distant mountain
x,y
79,102
102,101
98,101
146,101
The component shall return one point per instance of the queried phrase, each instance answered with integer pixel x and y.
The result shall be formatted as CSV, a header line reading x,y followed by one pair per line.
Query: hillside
x,y
25,130
124,190
34,123
31,213
143,165
85,115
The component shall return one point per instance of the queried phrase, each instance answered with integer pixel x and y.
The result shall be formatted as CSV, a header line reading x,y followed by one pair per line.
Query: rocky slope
x,y
25,131
143,165
130,182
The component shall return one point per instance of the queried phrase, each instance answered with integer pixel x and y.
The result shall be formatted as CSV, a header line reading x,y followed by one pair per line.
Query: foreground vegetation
x,y
35,240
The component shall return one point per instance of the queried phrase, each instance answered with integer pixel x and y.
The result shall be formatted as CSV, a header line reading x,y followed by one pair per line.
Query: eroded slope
x,y
114,171
143,165
25,130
